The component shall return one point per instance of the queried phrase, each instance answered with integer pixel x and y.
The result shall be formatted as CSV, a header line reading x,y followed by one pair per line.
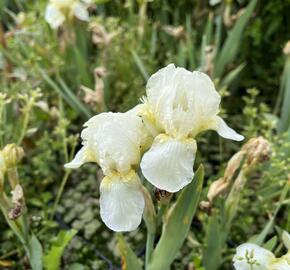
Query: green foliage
x,y
177,223
230,48
284,123
214,244
130,260
52,259
35,253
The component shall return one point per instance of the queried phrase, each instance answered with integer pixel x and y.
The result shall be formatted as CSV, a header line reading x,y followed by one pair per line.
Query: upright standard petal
x,y
116,138
185,103
252,257
168,165
80,11
54,16
157,83
122,202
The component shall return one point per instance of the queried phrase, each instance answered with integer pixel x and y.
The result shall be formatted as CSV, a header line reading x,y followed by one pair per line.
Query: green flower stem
x,y
161,211
59,193
149,247
62,185
24,124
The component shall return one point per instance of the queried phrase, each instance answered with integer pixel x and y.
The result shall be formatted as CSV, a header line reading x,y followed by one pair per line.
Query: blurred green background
x,y
52,81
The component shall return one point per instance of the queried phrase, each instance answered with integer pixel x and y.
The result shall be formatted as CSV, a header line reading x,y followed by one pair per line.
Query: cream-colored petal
x,y
122,202
225,131
116,138
280,264
206,98
156,84
252,257
286,240
83,155
182,101
81,12
168,165
54,16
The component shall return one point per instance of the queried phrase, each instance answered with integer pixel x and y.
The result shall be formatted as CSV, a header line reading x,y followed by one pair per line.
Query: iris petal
x,y
168,164
54,16
226,132
122,202
83,155
80,11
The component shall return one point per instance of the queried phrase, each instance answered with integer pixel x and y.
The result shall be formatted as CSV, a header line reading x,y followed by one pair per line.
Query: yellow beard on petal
x,y
186,140
65,7
117,176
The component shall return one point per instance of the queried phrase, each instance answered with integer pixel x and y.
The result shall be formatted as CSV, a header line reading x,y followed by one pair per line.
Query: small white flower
x,y
179,104
114,141
252,257
57,11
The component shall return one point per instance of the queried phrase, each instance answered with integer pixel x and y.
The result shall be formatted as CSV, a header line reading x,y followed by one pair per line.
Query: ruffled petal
x,y
83,155
206,98
251,253
116,138
157,83
122,202
54,16
80,11
226,132
168,165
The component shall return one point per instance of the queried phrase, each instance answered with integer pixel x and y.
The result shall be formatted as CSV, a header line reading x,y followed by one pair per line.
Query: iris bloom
x,y
179,105
57,11
114,141
252,257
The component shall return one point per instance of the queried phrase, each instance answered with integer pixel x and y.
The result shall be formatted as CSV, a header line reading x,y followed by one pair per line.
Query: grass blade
x,y
140,65
231,46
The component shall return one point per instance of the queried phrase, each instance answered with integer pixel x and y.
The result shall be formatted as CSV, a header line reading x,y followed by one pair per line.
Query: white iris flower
x,y
114,141
252,257
57,11
179,105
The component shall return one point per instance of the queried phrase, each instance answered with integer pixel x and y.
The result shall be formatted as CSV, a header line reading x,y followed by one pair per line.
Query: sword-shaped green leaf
x,y
129,259
232,44
177,224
